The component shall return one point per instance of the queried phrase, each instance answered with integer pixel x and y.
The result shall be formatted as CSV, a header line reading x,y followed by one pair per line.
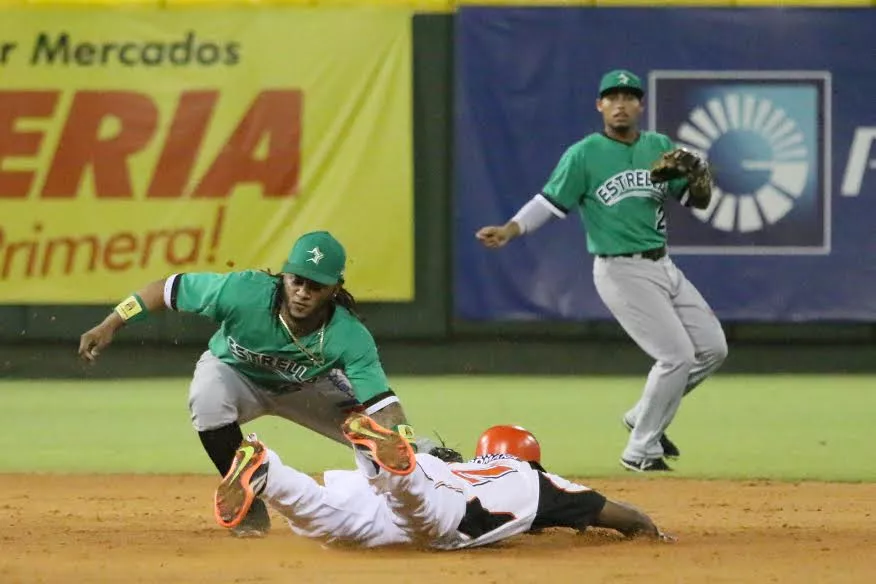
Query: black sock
x,y
221,444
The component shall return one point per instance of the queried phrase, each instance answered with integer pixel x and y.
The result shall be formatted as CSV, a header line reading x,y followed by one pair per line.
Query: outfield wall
x,y
427,334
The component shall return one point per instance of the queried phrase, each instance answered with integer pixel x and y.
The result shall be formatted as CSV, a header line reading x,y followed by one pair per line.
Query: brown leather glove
x,y
676,163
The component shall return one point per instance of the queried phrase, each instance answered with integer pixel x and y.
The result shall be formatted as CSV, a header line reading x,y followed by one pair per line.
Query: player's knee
x,y
720,351
682,357
209,412
717,351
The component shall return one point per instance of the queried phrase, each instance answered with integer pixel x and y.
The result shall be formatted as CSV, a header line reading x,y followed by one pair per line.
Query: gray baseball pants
x,y
668,319
219,395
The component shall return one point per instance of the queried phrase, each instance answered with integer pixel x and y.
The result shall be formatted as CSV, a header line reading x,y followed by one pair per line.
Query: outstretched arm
x,y
531,216
494,236
562,192
563,503
150,298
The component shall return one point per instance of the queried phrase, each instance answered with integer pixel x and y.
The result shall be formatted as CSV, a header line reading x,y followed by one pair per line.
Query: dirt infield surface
x,y
160,529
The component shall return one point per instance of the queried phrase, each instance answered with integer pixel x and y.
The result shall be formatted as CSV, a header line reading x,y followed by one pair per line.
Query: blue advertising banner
x,y
783,111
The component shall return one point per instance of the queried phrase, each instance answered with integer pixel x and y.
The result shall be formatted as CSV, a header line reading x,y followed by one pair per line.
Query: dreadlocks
x,y
277,302
345,299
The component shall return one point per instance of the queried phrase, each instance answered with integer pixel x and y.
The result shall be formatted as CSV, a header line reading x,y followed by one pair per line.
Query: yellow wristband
x,y
131,308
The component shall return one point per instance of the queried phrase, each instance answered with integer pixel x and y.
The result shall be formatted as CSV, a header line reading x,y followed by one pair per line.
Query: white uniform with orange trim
x,y
439,505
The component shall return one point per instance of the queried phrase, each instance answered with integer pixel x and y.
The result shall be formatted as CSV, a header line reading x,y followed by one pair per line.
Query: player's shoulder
x,y
657,139
587,142
247,278
251,289
344,319
248,287
252,280
344,324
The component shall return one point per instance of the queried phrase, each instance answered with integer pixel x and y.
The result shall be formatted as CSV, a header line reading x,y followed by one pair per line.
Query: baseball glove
x,y
440,451
676,163
446,454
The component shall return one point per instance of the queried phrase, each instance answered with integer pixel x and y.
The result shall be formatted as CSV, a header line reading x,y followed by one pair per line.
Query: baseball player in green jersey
x,y
619,181
290,345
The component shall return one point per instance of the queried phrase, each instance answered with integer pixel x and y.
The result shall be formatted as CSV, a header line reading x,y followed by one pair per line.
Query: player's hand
x,y
666,538
495,236
93,342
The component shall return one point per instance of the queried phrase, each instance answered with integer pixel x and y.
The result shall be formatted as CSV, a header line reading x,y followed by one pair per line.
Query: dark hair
x,y
345,299
342,297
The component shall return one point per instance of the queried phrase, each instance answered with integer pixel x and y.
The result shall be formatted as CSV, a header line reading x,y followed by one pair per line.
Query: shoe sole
x,y
234,496
673,456
389,450
629,466
636,468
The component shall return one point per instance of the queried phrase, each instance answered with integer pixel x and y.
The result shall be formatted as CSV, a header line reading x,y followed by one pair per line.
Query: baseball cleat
x,y
670,450
645,465
388,449
244,482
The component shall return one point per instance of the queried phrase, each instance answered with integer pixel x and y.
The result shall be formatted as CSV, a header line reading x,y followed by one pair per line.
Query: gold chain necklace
x,y
316,360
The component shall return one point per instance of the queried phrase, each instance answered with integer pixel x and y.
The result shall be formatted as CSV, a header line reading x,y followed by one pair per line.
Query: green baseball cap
x,y
317,256
621,79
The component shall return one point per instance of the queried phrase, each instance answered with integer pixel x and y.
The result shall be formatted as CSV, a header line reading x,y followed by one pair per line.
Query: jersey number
x,y
481,476
661,220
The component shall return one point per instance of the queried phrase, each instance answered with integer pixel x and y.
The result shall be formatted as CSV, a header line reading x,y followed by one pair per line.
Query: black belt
x,y
649,254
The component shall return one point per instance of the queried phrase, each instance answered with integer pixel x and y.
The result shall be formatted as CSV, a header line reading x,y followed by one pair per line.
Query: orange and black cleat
x,y
244,482
388,449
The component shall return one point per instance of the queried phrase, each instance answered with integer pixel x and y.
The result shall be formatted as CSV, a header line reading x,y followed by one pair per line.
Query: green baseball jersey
x,y
252,340
609,183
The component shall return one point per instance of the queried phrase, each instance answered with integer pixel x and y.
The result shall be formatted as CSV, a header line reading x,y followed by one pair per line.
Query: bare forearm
x,y
535,213
148,299
152,297
512,228
626,519
390,416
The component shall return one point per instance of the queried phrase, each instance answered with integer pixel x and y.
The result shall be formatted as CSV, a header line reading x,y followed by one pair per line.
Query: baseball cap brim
x,y
310,273
622,88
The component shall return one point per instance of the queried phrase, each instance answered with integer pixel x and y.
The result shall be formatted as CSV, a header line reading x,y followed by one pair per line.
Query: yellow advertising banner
x,y
139,143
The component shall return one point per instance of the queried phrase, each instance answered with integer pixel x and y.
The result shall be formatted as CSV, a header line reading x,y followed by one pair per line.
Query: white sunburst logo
x,y
758,155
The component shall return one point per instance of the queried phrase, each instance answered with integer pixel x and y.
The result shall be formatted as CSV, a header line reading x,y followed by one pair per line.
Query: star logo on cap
x,y
623,78
316,256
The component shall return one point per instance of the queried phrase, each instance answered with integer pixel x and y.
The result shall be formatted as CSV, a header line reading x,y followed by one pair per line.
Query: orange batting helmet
x,y
512,440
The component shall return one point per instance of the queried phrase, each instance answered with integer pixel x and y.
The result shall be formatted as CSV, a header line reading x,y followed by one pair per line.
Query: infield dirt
x,y
157,528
